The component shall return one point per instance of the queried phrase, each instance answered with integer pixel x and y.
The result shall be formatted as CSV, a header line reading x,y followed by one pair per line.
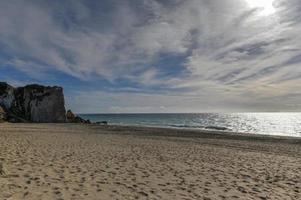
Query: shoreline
x,y
173,132
202,131
280,124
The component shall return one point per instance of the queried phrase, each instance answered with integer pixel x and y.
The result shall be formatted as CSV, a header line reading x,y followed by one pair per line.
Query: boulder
x,y
33,103
72,118
102,123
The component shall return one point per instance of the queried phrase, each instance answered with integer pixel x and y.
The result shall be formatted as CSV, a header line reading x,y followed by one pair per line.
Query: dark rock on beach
x,y
33,103
72,118
102,123
216,128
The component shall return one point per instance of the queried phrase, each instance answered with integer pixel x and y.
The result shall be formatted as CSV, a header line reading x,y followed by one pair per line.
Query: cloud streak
x,y
227,48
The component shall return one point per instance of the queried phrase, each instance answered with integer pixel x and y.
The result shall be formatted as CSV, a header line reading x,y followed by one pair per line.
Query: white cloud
x,y
229,50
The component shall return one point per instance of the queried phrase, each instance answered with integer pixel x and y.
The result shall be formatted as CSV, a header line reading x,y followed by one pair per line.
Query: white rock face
x,y
34,103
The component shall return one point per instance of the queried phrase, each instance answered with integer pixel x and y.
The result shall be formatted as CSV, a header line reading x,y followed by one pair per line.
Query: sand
x,y
69,161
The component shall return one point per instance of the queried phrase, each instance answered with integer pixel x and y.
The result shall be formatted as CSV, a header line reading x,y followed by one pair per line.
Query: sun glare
x,y
266,6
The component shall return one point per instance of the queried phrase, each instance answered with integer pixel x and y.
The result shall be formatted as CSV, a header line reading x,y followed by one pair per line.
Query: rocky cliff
x,y
33,103
2,114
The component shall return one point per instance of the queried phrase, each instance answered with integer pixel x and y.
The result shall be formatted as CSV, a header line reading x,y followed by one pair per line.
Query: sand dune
x,y
65,161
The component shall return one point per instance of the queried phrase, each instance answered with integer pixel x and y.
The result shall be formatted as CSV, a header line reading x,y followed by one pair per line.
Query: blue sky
x,y
157,55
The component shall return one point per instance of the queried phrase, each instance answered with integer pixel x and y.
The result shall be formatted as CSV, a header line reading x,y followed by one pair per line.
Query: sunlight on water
x,y
287,124
265,123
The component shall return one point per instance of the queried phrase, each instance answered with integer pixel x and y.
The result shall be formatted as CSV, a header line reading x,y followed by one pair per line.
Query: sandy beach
x,y
70,161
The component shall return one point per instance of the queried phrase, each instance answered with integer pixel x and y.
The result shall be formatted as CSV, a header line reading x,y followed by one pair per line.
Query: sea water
x,y
286,124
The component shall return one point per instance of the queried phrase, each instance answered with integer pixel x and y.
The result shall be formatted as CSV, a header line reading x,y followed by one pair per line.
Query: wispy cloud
x,y
228,49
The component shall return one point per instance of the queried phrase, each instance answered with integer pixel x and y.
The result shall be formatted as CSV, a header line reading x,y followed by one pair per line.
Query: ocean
x,y
285,124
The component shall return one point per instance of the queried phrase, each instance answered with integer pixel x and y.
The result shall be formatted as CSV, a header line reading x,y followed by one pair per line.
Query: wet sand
x,y
69,161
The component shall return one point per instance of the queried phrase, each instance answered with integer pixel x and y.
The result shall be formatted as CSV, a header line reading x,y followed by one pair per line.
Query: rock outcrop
x,y
72,118
33,103
3,114
102,123
6,95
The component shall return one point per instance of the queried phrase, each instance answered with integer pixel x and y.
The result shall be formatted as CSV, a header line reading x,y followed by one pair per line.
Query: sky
x,y
162,56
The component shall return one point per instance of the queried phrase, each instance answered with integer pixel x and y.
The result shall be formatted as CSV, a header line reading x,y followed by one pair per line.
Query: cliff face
x,y
33,103
2,115
6,95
